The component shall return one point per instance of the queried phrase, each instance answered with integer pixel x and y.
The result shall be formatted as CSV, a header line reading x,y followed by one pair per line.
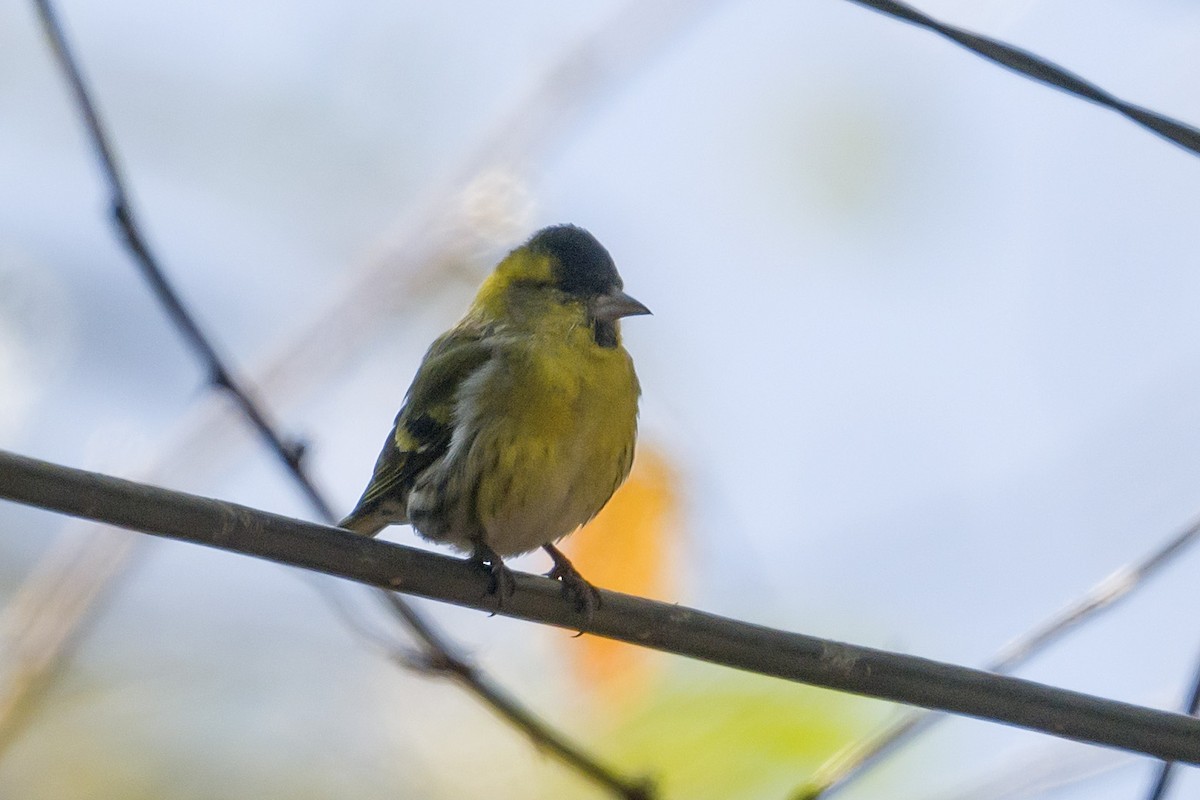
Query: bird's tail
x,y
363,523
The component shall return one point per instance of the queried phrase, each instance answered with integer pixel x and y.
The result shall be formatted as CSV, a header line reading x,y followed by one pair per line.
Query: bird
x,y
521,420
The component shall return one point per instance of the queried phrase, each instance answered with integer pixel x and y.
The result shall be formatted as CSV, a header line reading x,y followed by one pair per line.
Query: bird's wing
x,y
424,425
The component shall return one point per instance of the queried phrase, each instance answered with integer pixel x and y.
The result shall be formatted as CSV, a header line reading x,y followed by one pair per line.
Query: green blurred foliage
x,y
709,732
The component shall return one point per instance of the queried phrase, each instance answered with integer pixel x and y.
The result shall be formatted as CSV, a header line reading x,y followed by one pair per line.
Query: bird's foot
x,y
503,584
587,598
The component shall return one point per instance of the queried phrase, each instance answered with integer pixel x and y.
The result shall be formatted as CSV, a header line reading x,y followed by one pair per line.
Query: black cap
x,y
582,266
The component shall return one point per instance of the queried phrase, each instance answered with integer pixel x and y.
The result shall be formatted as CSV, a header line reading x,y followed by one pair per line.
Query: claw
x,y
503,584
587,598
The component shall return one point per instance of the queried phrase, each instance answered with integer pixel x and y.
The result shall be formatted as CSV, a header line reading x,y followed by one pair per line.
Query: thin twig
x,y
439,656
1043,773
521,719
1107,592
1043,71
857,758
121,208
646,623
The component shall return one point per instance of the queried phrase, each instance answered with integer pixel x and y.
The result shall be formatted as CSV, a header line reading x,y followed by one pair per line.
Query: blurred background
x,y
923,368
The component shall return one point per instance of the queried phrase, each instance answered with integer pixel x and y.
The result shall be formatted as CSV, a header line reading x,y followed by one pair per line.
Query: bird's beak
x,y
615,305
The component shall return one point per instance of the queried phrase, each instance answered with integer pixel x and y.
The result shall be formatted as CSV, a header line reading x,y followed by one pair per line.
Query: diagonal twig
x,y
121,208
43,619
856,758
1042,773
1043,71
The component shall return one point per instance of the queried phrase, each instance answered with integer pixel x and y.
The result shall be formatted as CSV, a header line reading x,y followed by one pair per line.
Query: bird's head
x,y
561,275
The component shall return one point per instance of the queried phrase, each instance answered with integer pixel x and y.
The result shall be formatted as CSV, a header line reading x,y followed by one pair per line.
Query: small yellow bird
x,y
522,418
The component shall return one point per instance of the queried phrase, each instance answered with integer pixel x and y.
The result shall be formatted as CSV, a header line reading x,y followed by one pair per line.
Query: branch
x,y
1039,69
856,758
647,623
1166,770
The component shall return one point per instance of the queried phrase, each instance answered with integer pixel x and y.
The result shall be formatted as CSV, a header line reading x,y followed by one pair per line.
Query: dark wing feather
x,y
423,428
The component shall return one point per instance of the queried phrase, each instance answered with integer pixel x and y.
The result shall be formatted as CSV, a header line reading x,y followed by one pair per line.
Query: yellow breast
x,y
563,423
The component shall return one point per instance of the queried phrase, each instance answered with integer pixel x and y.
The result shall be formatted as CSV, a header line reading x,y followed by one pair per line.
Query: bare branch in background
x,y
857,758
1044,71
1055,766
40,622
646,623
222,377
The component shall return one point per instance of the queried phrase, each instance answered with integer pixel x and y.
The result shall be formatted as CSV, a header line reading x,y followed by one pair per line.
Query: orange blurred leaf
x,y
631,547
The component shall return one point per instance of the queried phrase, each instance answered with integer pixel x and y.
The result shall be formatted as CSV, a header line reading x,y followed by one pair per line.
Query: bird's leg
x,y
587,599
503,583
